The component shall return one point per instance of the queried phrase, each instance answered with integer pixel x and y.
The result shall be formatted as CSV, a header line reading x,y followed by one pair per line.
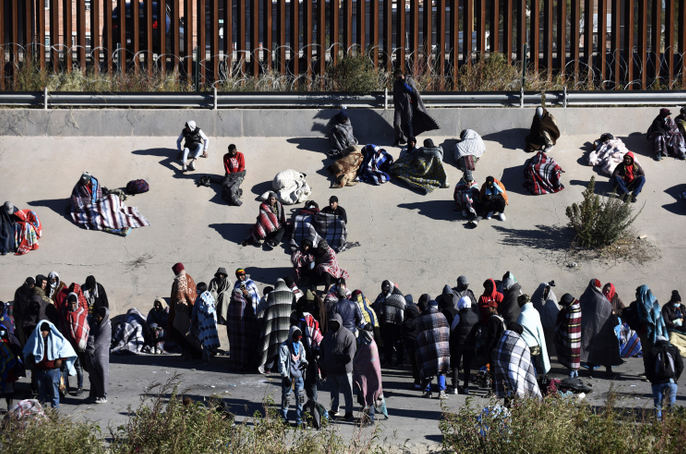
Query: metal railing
x,y
378,100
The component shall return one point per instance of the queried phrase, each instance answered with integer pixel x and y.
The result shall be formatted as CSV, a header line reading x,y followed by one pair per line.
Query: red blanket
x,y
268,221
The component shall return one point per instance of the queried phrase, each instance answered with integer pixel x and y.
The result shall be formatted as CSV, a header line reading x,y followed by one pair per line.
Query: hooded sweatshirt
x,y
337,349
631,172
292,355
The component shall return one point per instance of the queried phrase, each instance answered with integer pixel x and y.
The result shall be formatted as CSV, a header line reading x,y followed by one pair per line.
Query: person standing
x,y
194,141
248,287
292,364
204,323
463,323
410,118
433,349
349,311
242,331
336,361
220,288
98,355
275,325
391,305
183,295
367,372
664,369
95,295
567,338
74,326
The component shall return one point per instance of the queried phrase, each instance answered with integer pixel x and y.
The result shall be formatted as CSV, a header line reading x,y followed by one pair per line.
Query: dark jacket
x,y
659,125
40,308
409,327
22,297
350,314
496,328
509,308
650,358
391,309
669,313
337,349
458,336
100,301
339,211
466,292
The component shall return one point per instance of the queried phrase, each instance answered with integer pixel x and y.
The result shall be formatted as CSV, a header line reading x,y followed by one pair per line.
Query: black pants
x,y
392,338
467,358
415,367
455,359
402,118
497,203
277,236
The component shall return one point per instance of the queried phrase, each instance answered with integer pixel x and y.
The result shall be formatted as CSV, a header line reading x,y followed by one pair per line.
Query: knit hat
x,y
72,298
30,281
676,298
91,283
289,281
462,282
221,271
386,286
342,116
468,175
433,303
428,143
539,112
240,271
9,207
178,268
597,284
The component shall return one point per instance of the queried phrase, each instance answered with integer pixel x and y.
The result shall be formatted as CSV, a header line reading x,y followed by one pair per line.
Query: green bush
x,y
600,221
563,425
354,73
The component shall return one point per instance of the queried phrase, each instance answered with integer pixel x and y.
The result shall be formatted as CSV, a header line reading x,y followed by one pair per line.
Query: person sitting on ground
x,y
157,322
376,166
220,288
19,230
390,305
195,143
674,315
469,149
234,166
93,211
533,334
680,120
666,137
628,177
276,322
543,133
247,287
514,372
335,208
599,343
664,371
493,199
292,364
612,296
290,282
422,169
410,148
46,349
270,225
317,266
337,350
367,373
466,195
345,169
204,323
608,153
542,175
340,134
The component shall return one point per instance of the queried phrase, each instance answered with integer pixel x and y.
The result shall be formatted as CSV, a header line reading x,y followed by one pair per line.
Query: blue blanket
x,y
58,347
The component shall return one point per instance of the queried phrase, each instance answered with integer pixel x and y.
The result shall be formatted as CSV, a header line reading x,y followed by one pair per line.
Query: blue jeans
x,y
49,386
299,399
197,151
661,391
622,187
426,384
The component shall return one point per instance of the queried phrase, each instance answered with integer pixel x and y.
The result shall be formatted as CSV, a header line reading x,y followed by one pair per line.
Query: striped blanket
x,y
376,166
27,230
568,336
267,221
128,334
514,371
241,327
630,344
433,343
317,226
465,194
204,321
542,175
109,212
422,169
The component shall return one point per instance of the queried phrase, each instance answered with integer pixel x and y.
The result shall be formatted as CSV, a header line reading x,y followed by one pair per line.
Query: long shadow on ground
x,y
512,139
551,237
59,206
679,205
439,210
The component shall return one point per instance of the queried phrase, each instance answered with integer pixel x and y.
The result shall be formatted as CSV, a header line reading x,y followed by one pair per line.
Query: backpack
x,y
315,414
664,364
137,187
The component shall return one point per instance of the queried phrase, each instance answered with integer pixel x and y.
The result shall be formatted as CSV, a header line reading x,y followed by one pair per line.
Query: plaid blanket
x,y
568,336
303,229
204,321
376,166
74,326
332,228
608,155
542,175
241,327
109,212
422,170
433,343
267,221
670,142
630,344
329,264
129,335
514,371
27,230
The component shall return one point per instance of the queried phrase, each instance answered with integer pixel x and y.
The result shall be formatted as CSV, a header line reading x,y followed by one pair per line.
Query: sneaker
x,y
269,244
348,417
261,370
79,392
658,157
192,165
335,414
474,222
125,231
489,215
101,400
427,394
442,395
452,390
501,216
633,198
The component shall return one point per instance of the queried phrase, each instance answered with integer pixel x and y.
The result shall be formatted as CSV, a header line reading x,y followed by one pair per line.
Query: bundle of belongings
x,y
629,343
469,149
290,187
563,387
128,332
542,175
231,186
608,153
422,168
93,210
311,224
19,230
376,166
346,168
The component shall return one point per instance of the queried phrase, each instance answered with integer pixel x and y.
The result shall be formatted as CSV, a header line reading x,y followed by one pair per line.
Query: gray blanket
x,y
98,355
599,344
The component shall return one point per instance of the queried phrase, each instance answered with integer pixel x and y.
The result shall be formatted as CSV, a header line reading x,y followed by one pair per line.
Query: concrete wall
x,y
304,122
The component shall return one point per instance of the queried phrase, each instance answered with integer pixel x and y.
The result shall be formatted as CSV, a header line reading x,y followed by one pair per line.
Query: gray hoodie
x,y
288,366
337,349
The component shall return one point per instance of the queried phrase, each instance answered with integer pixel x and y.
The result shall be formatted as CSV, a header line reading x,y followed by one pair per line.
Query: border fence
x,y
605,44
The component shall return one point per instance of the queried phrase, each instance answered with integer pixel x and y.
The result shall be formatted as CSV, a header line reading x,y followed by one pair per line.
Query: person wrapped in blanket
x,y
542,175
666,137
514,371
376,166
469,149
204,323
11,364
410,117
466,195
674,314
270,225
94,211
316,266
157,323
75,328
628,178
422,169
341,134
543,133
19,230
492,198
608,153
